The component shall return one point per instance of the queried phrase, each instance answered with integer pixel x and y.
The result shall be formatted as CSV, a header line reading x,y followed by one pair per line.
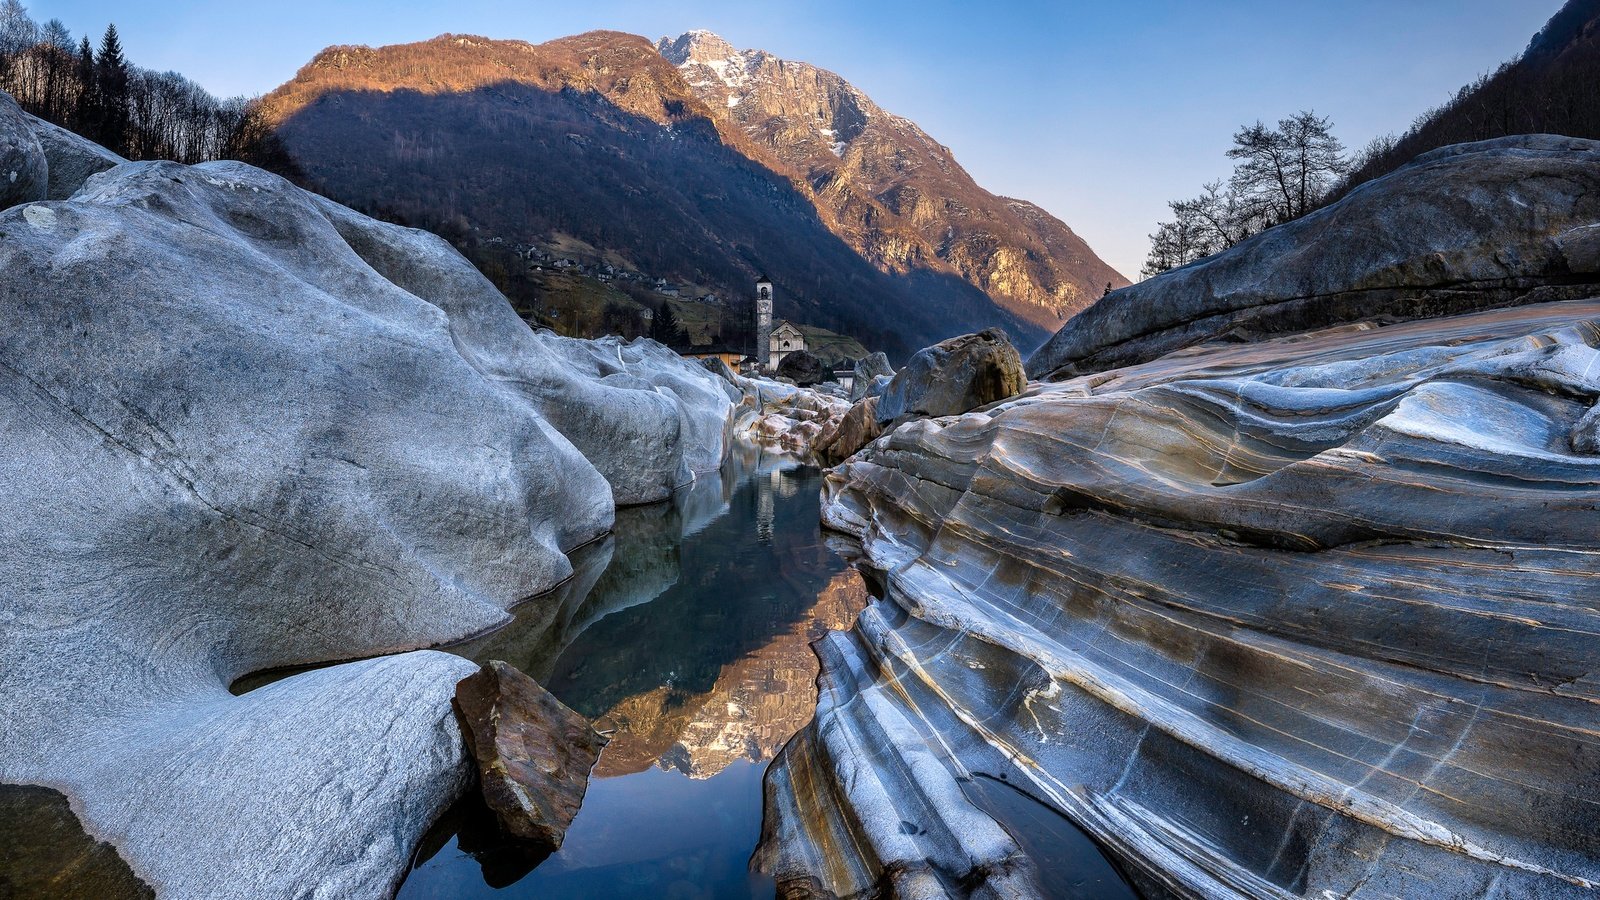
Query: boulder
x,y
854,430
1472,226
954,376
867,371
716,366
242,428
802,367
72,158
533,753
24,172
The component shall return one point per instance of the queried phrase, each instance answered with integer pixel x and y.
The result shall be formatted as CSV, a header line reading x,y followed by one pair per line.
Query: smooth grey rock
x,y
1472,226
648,435
24,172
952,377
867,371
72,158
243,428
1306,617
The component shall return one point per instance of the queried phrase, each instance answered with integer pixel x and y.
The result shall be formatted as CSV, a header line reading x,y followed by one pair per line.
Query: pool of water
x,y
686,636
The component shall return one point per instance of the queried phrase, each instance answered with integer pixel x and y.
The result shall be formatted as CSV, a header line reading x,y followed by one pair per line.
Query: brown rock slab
x,y
533,753
854,430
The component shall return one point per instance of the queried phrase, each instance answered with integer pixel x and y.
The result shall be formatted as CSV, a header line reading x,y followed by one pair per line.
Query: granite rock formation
x,y
533,754
1311,615
855,429
952,377
1465,227
24,173
866,372
243,428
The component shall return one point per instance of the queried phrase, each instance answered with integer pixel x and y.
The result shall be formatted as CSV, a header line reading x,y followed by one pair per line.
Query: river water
x,y
686,636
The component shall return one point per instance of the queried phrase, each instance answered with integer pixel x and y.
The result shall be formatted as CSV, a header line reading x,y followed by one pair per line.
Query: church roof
x,y
763,278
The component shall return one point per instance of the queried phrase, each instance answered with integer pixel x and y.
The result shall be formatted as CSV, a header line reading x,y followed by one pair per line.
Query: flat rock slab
x,y
533,753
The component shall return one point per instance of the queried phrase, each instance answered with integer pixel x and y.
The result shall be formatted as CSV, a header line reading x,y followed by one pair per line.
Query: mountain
x,y
601,141
1549,89
888,189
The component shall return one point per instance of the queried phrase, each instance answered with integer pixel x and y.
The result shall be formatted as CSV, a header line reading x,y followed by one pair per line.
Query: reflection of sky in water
x,y
688,636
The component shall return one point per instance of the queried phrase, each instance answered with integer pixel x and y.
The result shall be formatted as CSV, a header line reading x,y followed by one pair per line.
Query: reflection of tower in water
x,y
765,488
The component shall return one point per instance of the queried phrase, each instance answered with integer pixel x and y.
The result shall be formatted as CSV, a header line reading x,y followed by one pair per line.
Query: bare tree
x,y
1286,170
1281,173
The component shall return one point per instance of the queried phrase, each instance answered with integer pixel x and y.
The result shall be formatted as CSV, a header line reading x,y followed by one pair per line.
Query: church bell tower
x,y
763,322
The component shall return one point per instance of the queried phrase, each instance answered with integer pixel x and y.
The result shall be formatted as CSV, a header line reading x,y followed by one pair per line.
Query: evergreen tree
x,y
85,118
111,78
666,328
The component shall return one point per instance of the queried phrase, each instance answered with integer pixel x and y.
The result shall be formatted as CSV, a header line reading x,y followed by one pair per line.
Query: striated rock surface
x,y
786,416
854,430
533,753
1311,616
242,428
952,377
1472,226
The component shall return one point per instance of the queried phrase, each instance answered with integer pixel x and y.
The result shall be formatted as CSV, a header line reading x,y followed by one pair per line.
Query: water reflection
x,y
690,642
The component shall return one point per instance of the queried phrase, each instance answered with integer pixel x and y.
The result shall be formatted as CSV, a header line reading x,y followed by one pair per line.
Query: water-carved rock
x,y
1467,227
243,428
854,430
1305,616
954,376
533,753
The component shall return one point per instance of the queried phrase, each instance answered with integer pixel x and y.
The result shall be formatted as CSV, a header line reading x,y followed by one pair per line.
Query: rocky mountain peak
x,y
706,59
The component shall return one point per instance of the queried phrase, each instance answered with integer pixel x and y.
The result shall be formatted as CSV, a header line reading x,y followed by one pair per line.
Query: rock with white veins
x,y
244,428
1312,616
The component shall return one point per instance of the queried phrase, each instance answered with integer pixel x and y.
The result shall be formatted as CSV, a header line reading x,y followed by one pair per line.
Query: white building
x,y
784,340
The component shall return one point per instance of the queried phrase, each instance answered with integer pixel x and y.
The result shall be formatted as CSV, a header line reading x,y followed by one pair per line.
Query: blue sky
x,y
1099,112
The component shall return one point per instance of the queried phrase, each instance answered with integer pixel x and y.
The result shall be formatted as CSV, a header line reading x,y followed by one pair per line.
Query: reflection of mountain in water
x,y
755,704
687,637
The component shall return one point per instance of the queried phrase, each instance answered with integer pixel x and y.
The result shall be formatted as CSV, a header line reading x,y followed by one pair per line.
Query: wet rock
x,y
24,172
1472,226
867,370
802,367
854,430
954,376
533,753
